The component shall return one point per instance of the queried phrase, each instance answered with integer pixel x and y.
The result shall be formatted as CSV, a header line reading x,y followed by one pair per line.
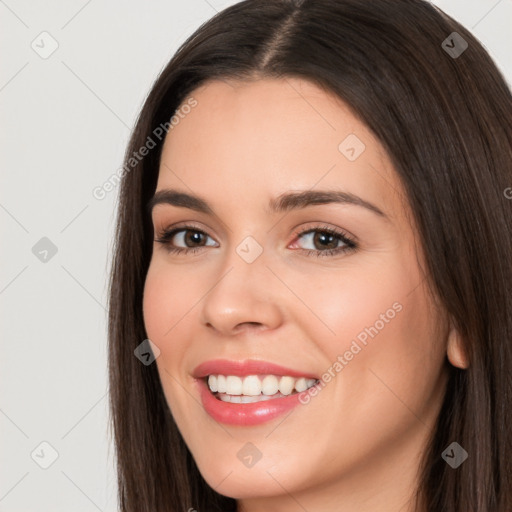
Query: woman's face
x,y
271,286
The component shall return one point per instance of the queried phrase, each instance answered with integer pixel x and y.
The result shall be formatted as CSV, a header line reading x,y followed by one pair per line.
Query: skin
x,y
356,445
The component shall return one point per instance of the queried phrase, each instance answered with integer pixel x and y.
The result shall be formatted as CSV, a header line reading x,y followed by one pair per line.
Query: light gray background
x,y
65,123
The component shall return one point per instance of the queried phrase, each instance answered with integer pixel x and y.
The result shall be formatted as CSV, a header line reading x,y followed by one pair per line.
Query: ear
x,y
455,350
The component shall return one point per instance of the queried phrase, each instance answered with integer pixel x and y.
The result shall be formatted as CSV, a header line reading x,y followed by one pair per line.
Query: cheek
x,y
168,297
167,305
392,355
166,301
353,303
379,319
153,306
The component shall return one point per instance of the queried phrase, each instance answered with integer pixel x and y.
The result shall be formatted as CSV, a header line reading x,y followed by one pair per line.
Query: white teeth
x,y
232,388
286,385
242,399
233,385
270,385
300,385
251,386
212,383
221,383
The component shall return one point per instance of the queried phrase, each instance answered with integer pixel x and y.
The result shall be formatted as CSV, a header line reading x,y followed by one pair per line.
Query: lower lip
x,y
245,414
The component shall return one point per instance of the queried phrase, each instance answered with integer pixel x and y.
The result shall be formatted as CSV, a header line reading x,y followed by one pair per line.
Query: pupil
x,y
194,237
324,236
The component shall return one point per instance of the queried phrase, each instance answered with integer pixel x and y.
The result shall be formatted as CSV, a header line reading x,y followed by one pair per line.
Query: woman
x,y
312,266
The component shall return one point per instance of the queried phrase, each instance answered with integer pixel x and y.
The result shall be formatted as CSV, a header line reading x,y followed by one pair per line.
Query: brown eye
x,y
325,240
192,237
320,240
184,238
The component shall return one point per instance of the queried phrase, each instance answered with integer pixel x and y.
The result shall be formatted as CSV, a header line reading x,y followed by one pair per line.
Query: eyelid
x,y
349,241
183,225
310,226
322,226
172,230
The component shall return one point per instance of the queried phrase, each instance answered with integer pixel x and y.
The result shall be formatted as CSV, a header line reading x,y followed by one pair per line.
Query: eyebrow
x,y
283,203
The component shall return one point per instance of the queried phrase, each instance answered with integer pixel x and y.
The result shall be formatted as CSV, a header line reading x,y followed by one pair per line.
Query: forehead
x,y
257,139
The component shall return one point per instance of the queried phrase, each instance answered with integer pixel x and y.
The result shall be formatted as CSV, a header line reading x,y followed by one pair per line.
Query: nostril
x,y
251,324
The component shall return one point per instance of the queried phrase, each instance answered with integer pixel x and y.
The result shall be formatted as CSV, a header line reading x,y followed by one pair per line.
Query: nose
x,y
243,297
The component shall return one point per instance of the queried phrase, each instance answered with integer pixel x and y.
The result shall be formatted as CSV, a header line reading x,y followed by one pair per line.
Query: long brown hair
x,y
445,119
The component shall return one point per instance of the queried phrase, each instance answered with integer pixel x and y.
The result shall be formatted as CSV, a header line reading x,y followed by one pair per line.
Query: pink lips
x,y
251,413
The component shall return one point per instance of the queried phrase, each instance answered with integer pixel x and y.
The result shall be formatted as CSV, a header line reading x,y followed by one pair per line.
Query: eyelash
x,y
166,236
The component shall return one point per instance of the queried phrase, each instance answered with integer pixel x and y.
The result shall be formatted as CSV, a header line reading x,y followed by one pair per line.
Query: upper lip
x,y
246,367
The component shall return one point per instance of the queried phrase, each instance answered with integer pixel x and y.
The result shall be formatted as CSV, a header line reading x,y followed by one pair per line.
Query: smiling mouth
x,y
255,388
